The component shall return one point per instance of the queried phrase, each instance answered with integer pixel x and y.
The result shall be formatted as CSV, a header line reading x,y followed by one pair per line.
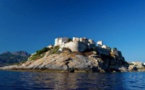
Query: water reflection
x,y
71,81
65,81
57,81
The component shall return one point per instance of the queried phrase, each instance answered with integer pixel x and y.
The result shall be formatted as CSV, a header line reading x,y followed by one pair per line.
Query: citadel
x,y
81,44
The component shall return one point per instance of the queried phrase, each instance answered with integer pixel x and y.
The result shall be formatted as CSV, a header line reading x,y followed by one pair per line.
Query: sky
x,y
30,25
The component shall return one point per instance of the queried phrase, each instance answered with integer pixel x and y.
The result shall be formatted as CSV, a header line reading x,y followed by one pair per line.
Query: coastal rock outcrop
x,y
136,66
64,57
73,62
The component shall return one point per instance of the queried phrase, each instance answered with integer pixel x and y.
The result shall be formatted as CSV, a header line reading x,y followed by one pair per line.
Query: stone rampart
x,y
60,41
76,46
103,51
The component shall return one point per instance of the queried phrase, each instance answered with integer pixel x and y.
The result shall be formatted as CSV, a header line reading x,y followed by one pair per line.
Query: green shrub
x,y
45,49
36,56
54,50
39,53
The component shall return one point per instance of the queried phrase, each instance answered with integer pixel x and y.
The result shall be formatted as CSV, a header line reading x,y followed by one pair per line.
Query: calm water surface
x,y
12,80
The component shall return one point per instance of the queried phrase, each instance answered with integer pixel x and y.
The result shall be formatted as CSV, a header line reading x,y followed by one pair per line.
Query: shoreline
x,y
7,68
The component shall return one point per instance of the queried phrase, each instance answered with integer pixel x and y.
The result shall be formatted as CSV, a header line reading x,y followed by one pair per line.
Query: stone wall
x,y
75,39
60,41
103,51
76,46
100,43
81,44
84,40
91,41
106,47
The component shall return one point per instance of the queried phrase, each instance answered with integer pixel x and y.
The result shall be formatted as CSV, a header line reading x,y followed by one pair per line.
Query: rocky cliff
x,y
65,60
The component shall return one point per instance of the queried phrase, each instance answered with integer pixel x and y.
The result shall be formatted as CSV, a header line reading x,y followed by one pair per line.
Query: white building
x,y
106,47
100,43
91,41
75,39
82,44
77,44
59,41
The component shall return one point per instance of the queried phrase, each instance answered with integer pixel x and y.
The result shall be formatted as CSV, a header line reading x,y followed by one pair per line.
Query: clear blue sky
x,y
32,24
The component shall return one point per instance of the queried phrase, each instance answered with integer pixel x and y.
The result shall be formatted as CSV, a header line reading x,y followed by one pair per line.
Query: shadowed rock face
x,y
8,58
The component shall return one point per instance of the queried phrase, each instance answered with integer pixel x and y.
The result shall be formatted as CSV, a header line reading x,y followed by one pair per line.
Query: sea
x,y
26,80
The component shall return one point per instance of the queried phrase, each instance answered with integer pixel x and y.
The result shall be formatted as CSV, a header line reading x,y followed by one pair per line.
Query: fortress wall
x,y
106,47
76,46
82,46
56,42
75,39
91,41
84,40
103,51
60,41
73,46
100,43
91,46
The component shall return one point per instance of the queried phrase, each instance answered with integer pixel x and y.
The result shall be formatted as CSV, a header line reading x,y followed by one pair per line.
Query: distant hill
x,y
8,58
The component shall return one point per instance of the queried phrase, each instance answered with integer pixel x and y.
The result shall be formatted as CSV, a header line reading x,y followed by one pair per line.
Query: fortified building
x,y
81,44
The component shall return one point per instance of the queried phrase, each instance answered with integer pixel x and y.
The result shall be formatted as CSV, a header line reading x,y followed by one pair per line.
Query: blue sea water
x,y
17,80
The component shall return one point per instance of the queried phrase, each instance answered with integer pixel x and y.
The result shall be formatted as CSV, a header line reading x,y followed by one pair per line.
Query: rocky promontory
x,y
72,61
75,55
